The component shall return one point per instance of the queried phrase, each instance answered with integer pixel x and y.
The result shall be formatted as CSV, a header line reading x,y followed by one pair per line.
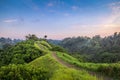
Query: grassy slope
x,y
112,69
46,64
58,71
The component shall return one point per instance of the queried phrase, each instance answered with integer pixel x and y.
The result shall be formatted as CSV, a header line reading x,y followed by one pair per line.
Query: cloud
x,y
10,20
31,4
115,6
50,4
52,11
115,12
36,20
85,28
106,26
111,22
66,14
113,16
74,7
91,30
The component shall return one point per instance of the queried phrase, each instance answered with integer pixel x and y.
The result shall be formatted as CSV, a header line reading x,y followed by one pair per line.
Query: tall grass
x,y
112,69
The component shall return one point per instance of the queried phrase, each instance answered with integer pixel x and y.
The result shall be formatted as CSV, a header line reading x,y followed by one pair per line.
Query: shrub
x,y
58,48
22,72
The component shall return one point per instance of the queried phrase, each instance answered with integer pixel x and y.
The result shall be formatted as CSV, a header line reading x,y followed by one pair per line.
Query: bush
x,y
22,72
22,52
58,48
110,70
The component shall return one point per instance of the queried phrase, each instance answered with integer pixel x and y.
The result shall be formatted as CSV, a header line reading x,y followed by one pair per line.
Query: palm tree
x,y
45,36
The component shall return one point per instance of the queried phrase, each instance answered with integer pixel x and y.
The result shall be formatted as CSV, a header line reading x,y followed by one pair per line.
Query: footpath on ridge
x,y
98,76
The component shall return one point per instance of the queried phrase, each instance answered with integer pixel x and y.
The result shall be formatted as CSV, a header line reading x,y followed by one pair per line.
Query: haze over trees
x,y
6,42
95,49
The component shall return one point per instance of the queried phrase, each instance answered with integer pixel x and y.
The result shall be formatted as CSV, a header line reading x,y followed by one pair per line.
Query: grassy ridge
x,y
42,68
112,70
41,45
57,71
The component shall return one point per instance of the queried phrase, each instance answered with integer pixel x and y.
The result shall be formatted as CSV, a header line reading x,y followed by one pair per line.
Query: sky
x,y
59,18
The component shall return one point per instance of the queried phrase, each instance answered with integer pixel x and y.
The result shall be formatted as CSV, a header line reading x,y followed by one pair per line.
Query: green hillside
x,y
36,59
45,67
56,71
106,69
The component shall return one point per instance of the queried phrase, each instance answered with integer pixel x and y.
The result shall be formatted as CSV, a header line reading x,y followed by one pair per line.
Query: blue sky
x,y
59,18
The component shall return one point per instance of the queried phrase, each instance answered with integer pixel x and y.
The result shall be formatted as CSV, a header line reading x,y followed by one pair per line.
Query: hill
x,y
45,67
36,59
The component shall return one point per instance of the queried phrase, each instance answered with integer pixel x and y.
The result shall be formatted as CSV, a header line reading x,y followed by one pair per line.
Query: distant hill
x,y
95,49
4,42
55,42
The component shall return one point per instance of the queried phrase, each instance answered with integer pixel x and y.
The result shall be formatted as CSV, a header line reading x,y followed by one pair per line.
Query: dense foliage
x,y
32,58
22,52
95,49
22,72
55,42
42,68
58,48
22,63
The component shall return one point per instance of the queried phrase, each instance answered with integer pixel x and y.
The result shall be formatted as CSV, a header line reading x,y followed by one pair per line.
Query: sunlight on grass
x,y
109,69
56,71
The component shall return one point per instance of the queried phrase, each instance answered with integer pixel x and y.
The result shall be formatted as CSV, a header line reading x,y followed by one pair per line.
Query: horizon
x,y
59,19
40,37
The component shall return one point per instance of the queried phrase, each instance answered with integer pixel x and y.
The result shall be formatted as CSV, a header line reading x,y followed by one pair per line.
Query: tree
x,y
94,46
45,36
31,37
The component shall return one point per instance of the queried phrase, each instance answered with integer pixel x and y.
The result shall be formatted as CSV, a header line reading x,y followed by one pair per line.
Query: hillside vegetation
x,y
57,71
109,69
43,68
22,52
32,60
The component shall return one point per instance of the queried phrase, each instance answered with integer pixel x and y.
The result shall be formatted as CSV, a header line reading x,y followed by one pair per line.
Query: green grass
x,y
45,68
45,44
67,58
42,68
56,71
41,46
112,69
72,60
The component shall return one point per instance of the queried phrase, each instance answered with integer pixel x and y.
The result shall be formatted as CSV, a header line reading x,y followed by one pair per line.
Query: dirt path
x,y
98,75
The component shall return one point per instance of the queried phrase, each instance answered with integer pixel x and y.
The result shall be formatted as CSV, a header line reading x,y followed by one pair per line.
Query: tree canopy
x,y
95,49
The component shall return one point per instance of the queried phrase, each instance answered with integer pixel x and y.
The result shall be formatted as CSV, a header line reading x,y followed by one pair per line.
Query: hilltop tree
x,y
45,36
31,37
